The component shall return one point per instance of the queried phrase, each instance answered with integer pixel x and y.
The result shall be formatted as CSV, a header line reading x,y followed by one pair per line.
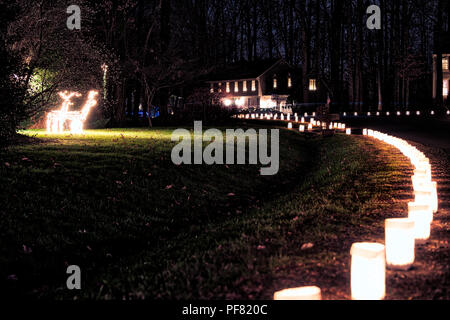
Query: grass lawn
x,y
112,202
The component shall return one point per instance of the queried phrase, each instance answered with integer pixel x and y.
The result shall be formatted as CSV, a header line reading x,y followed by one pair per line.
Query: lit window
x,y
228,87
253,85
289,82
244,86
445,63
445,88
220,85
312,85
212,88
274,81
236,86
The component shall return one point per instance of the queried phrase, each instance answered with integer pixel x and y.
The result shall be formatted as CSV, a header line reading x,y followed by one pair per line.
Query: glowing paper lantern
x,y
421,215
378,113
303,120
282,117
348,131
418,113
306,114
408,113
289,125
313,114
432,112
368,271
398,113
301,293
288,117
388,113
310,127
302,128
364,132
345,114
434,196
356,113
400,243
369,114
448,112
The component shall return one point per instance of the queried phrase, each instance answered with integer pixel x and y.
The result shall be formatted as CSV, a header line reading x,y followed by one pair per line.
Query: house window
x,y
244,86
312,85
211,90
445,63
253,85
289,82
236,86
228,87
274,81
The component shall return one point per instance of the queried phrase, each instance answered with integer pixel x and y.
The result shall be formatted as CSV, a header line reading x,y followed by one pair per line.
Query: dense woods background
x,y
141,52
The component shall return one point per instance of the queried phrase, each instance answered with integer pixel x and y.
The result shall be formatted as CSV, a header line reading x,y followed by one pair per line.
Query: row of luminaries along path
x,y
402,235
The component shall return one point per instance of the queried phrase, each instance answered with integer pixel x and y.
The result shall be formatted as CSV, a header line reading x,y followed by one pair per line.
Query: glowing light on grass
x,y
400,243
227,102
58,120
368,271
301,293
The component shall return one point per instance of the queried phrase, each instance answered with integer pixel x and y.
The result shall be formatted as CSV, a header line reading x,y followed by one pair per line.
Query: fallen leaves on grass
x,y
307,246
27,250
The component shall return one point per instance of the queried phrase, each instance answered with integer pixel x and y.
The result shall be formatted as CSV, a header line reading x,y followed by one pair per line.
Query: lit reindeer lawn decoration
x,y
57,120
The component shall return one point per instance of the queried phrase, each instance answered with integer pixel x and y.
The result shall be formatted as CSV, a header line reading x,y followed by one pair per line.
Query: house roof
x,y
242,70
444,43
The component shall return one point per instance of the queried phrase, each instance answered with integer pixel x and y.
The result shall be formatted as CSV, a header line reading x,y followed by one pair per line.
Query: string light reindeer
x,y
58,120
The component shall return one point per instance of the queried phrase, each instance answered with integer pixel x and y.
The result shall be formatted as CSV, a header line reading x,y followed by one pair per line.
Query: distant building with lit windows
x,y
260,85
445,75
445,62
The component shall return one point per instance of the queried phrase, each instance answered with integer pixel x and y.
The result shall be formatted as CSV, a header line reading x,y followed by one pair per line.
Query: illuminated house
x,y
445,75
263,84
445,49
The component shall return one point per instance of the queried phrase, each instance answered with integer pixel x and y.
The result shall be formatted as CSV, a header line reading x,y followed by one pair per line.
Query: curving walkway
x,y
435,249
